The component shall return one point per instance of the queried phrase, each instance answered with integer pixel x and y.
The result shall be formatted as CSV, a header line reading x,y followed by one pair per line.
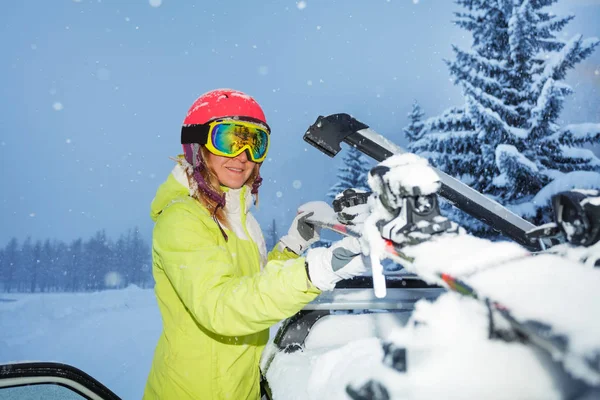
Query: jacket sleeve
x,y
280,252
205,279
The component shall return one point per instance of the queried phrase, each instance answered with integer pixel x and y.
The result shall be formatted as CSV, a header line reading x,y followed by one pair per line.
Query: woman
x,y
217,289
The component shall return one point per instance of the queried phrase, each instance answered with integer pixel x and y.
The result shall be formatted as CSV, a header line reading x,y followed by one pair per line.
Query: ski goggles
x,y
230,138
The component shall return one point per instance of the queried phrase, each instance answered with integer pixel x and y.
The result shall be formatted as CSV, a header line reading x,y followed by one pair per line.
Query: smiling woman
x,y
231,172
217,288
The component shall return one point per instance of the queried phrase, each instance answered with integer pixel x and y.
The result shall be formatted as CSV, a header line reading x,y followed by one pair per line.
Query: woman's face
x,y
231,172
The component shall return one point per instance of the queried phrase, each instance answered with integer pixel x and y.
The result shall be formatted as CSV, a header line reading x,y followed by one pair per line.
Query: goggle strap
x,y
197,133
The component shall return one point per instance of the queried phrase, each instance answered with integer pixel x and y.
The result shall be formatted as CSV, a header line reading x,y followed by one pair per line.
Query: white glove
x,y
301,234
328,266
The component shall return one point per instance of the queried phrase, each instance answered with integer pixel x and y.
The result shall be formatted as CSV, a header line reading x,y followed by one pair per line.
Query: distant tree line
x,y
95,264
271,235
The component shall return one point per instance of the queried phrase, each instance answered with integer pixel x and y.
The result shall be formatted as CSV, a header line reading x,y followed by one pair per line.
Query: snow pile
x,y
409,174
461,255
546,288
449,356
340,349
110,335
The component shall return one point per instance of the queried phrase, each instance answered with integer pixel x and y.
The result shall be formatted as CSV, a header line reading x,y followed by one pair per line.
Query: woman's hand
x,y
328,266
302,234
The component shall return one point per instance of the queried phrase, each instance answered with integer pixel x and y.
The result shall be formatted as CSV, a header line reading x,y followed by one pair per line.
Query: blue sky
x,y
94,93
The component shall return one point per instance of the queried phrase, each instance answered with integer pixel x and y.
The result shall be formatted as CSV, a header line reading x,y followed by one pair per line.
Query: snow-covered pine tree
x,y
415,125
352,173
505,141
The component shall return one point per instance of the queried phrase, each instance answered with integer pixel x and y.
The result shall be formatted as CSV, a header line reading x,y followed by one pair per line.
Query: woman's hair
x,y
213,183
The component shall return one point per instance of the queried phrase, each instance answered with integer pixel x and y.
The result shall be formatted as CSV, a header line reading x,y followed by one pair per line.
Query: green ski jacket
x,y
217,298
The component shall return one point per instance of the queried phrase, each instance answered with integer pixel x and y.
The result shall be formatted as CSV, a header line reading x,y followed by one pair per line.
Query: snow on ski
x,y
539,295
522,292
553,322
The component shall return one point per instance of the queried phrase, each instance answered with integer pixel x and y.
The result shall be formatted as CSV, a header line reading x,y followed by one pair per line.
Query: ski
x,y
327,133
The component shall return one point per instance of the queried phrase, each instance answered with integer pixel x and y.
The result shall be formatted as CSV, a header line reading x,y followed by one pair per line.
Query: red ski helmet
x,y
222,103
219,103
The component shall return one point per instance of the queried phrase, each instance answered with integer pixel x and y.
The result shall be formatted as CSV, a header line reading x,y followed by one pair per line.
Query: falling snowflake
x,y
155,3
297,184
263,70
301,5
112,279
103,74
57,106
278,194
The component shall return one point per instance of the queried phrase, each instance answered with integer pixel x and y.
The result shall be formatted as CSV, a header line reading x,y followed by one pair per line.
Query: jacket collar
x,y
237,200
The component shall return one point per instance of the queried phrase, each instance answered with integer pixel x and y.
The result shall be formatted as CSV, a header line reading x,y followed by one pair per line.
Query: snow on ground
x,y
111,335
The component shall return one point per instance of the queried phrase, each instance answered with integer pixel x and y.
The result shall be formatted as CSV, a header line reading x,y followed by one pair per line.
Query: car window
x,y
41,391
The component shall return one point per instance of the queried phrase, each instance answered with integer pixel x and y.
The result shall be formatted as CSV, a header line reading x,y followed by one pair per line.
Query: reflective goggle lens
x,y
231,139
